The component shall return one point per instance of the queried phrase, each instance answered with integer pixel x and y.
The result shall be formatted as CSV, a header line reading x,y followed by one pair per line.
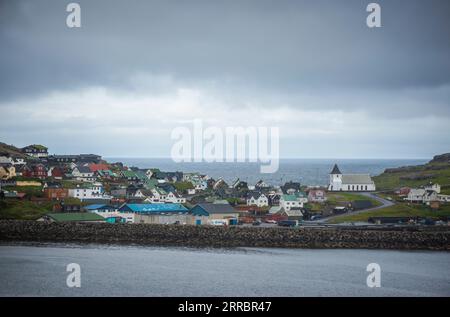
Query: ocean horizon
x,y
309,172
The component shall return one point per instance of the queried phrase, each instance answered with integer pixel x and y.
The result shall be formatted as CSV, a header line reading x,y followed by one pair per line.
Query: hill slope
x,y
11,150
437,171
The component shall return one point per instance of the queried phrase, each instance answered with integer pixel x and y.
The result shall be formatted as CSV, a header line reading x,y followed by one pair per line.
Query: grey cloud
x,y
310,55
282,46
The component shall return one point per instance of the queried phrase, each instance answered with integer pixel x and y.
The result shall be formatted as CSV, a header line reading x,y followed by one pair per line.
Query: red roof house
x,y
98,167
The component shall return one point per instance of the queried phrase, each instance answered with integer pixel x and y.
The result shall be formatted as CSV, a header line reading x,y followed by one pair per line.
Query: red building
x,y
56,193
404,191
36,171
98,167
57,172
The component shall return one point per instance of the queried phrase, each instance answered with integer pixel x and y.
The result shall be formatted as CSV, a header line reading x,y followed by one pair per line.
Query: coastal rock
x,y
432,238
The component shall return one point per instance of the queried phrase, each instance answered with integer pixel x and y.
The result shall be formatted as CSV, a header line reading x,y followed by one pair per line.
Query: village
x,y
86,188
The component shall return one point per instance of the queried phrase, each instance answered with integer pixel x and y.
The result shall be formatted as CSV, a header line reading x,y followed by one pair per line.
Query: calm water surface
x,y
150,271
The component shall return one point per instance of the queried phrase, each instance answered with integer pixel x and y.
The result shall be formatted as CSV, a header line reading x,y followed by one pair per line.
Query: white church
x,y
350,182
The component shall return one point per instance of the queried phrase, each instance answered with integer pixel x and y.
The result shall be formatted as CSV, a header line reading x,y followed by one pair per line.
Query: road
x,y
384,203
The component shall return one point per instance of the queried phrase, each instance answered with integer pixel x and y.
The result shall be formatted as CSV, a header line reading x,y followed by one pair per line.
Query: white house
x,y
6,160
427,194
199,184
189,177
258,200
11,160
83,173
416,195
141,193
175,198
261,184
317,195
433,187
287,202
159,195
87,191
350,182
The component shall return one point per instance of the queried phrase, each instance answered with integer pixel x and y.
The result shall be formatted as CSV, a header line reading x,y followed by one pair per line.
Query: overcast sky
x,y
135,70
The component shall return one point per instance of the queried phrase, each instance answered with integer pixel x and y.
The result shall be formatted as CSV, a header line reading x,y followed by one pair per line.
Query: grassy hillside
x,y
23,209
11,150
436,171
398,210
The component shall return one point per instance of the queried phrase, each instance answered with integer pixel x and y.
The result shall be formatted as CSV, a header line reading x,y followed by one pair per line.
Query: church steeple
x,y
335,170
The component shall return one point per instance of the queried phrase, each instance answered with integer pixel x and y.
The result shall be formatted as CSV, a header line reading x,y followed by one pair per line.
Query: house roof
x,y
317,192
129,174
106,173
221,201
153,208
294,212
53,185
417,192
140,174
254,194
83,169
289,197
97,206
160,191
98,167
335,170
293,197
275,209
212,208
75,216
261,183
356,179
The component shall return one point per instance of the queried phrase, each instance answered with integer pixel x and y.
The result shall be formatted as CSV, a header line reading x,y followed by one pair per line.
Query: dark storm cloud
x,y
280,46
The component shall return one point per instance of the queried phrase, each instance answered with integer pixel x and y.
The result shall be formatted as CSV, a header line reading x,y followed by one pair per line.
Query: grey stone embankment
x,y
208,236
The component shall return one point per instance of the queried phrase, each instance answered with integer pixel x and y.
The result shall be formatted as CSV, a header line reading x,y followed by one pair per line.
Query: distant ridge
x,y
436,170
11,150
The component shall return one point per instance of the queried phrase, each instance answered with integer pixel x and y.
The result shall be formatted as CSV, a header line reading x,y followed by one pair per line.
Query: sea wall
x,y
209,236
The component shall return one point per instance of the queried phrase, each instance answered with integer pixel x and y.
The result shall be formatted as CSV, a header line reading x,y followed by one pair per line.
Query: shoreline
x,y
226,237
241,249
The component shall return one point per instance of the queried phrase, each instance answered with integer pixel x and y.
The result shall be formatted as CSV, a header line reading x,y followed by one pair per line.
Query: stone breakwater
x,y
225,237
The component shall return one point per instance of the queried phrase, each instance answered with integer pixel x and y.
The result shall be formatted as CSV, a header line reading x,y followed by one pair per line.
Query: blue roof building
x,y
153,208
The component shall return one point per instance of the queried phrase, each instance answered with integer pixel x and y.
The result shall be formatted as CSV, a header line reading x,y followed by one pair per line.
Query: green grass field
x,y
338,199
35,191
398,210
23,209
436,173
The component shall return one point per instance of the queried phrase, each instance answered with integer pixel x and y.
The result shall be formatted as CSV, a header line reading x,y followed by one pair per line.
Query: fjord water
x,y
40,270
306,171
